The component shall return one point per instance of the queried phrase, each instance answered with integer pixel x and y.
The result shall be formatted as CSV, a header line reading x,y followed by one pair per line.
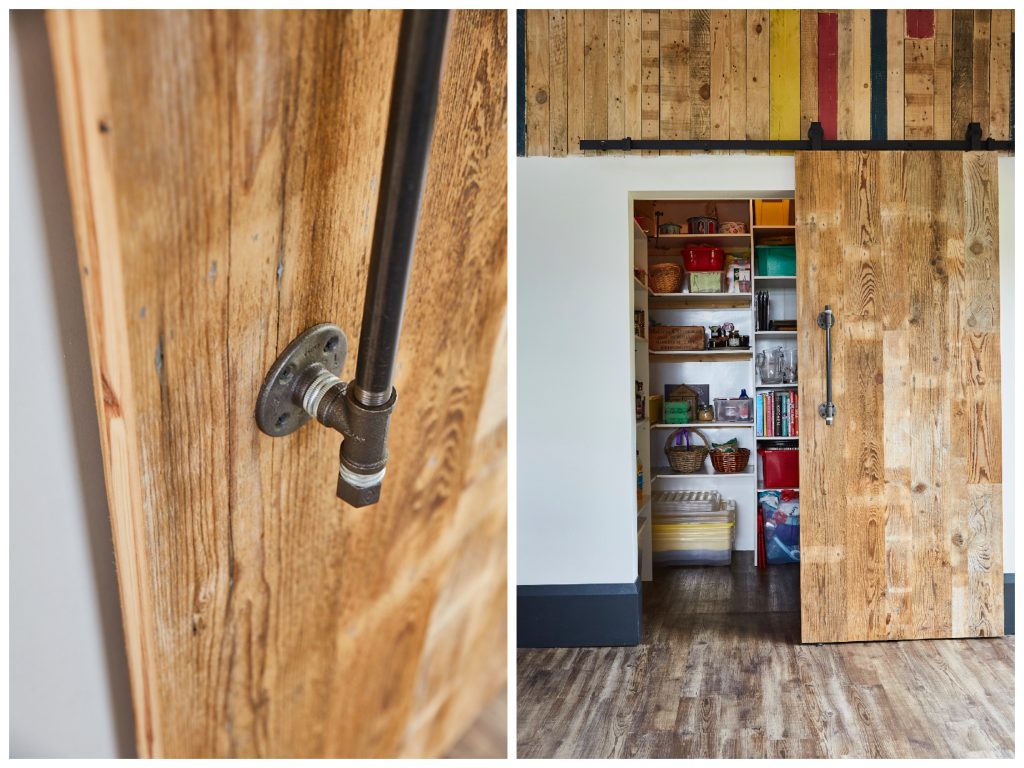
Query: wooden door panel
x,y
223,169
901,531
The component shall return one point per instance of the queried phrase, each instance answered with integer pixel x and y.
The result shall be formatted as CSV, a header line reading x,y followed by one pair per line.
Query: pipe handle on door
x,y
827,410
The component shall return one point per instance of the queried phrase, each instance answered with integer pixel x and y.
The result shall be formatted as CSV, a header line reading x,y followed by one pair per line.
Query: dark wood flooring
x,y
722,673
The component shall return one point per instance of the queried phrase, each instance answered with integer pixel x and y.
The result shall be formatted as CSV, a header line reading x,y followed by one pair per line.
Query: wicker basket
x,y
730,462
666,278
687,459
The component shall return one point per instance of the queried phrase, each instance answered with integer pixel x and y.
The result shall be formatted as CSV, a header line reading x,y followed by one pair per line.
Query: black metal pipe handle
x,y
414,99
827,410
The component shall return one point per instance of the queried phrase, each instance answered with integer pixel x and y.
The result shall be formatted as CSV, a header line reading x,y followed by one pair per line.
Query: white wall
x,y
576,519
69,686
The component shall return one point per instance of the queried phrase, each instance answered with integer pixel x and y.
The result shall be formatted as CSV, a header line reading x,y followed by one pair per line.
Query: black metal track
x,y
814,142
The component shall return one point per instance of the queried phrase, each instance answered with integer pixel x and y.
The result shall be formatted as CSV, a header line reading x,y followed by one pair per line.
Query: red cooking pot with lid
x,y
703,258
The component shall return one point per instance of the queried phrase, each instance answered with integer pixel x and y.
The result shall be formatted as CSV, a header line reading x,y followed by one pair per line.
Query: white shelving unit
x,y
726,372
641,373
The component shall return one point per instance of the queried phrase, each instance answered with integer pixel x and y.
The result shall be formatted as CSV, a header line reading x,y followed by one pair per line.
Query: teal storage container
x,y
776,260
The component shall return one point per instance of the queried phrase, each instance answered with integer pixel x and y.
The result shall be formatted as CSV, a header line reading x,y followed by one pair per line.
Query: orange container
x,y
771,213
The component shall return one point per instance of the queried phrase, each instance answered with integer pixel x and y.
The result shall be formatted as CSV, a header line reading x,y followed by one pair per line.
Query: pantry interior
x,y
716,377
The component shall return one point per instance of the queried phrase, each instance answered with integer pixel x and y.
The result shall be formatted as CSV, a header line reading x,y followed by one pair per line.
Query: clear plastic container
x,y
734,408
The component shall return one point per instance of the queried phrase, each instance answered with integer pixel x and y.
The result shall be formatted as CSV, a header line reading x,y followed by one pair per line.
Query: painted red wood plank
x,y
920,24
828,88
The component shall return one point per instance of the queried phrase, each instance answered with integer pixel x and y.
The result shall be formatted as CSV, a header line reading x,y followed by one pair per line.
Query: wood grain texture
x,y
558,112
595,74
942,117
262,617
538,120
808,70
999,74
784,72
699,70
758,74
901,509
721,673
896,25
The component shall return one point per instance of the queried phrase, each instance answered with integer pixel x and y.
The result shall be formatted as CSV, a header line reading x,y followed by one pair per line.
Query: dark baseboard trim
x,y
578,615
1008,611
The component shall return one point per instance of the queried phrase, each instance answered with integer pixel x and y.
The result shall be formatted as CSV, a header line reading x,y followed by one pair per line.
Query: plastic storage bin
x,y
776,260
781,467
771,213
781,512
693,538
734,408
706,282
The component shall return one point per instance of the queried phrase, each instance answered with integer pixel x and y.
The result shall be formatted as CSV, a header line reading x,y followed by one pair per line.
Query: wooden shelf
x,y
644,505
639,338
638,285
665,473
663,242
701,300
701,356
789,439
774,279
762,488
794,385
707,425
776,334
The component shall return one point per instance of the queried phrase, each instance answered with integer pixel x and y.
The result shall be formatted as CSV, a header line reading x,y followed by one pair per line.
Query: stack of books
x,y
776,413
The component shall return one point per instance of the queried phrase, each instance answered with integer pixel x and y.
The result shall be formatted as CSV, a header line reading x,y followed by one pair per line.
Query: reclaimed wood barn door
x,y
223,169
901,530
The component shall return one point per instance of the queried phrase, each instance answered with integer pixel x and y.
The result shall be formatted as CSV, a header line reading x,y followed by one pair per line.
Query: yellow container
x,y
771,213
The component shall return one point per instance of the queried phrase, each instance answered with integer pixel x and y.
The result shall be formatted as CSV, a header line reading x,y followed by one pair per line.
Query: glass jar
x,y
705,412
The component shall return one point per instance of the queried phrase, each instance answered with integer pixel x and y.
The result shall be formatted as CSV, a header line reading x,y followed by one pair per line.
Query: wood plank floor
x,y
721,673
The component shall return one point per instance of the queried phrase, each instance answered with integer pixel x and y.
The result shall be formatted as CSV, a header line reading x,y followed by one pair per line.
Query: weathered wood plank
x,y
595,75
982,69
721,72
616,76
675,74
700,74
538,120
650,85
895,33
633,69
758,74
860,73
999,74
808,70
262,618
943,102
962,75
574,45
920,88
558,84
738,74
845,77
828,73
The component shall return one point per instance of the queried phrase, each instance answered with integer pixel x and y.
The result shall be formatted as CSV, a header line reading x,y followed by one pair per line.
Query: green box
x,y
677,412
705,282
776,260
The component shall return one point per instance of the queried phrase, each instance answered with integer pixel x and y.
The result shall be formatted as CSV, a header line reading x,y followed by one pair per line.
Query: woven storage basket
x,y
686,458
666,278
730,462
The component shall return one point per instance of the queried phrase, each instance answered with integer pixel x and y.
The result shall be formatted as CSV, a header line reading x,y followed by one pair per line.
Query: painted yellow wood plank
x,y
999,74
616,76
557,82
633,72
574,43
538,128
650,83
896,31
808,70
860,74
758,74
784,69
943,104
738,74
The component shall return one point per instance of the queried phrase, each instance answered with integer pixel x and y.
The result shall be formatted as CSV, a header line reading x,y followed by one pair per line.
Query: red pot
x,y
703,258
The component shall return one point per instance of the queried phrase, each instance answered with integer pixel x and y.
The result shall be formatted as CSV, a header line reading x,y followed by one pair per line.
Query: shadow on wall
x,y
28,30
